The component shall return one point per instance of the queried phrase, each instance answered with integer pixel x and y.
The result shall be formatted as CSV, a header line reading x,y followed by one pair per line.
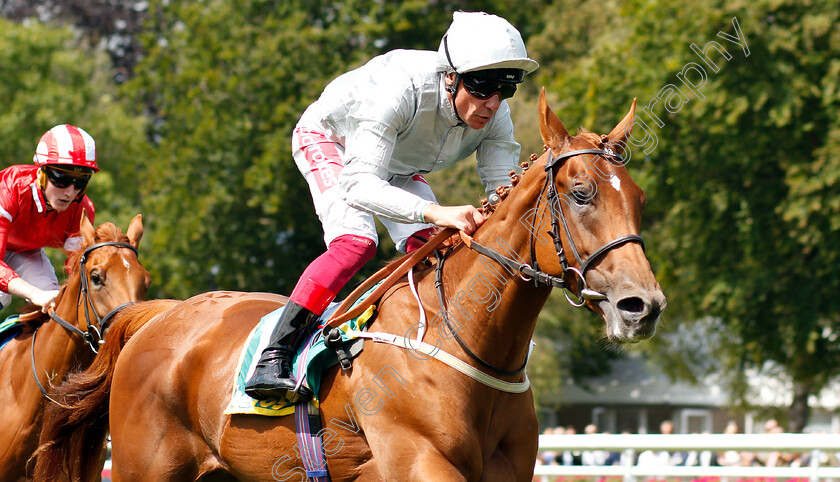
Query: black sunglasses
x,y
483,89
61,179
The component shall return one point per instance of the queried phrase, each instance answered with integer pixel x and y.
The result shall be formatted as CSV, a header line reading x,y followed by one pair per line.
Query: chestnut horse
x,y
104,274
396,414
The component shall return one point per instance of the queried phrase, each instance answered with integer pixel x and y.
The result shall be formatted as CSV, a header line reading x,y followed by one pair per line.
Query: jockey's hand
x,y
20,288
44,299
465,218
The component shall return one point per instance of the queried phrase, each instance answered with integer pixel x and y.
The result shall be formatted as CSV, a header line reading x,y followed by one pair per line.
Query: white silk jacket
x,y
394,120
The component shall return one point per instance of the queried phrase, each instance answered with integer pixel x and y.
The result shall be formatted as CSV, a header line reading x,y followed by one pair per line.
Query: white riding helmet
x,y
480,41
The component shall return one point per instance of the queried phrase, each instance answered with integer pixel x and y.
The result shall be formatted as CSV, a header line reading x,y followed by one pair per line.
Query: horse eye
x,y
581,197
96,279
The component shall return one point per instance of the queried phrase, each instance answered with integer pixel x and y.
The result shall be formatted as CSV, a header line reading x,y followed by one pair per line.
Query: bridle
x,y
93,336
558,218
529,272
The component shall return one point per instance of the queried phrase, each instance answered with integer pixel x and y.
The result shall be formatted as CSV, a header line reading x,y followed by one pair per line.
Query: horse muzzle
x,y
632,316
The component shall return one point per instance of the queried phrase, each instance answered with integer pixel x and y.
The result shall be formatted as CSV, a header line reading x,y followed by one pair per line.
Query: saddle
x,y
319,352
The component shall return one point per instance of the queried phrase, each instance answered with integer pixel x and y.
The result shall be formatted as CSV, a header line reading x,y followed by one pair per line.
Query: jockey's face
x,y
60,198
475,112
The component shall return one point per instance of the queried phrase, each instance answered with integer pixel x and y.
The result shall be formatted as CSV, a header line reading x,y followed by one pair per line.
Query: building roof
x,y
634,381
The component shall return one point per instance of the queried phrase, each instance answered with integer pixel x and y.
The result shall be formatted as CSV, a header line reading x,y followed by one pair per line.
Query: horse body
x,y
185,413
115,277
201,375
397,414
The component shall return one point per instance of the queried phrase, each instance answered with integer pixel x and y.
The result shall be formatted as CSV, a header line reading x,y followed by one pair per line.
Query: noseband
x,y
94,334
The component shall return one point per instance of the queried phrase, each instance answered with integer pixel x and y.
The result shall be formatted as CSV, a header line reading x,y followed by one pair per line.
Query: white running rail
x,y
632,445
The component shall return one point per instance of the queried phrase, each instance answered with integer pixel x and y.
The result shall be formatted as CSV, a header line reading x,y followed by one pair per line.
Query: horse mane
x,y
104,232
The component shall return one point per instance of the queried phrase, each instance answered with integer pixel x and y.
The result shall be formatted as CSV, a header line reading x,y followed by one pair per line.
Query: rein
x,y
445,314
94,334
390,274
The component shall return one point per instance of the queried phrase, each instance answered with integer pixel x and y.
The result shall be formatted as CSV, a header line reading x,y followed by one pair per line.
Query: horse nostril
x,y
631,304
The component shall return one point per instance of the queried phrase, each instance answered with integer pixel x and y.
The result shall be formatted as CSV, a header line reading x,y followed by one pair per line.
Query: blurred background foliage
x,y
192,104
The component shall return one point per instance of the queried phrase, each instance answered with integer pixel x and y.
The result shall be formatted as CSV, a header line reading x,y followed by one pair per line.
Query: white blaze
x,y
615,181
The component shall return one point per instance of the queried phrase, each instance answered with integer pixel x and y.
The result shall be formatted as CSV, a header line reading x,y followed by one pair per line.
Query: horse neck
x,y
495,311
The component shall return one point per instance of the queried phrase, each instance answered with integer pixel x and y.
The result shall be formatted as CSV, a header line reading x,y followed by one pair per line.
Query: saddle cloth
x,y
310,360
9,329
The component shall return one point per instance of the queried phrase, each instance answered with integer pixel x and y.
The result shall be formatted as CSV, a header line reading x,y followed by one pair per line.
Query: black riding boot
x,y
273,375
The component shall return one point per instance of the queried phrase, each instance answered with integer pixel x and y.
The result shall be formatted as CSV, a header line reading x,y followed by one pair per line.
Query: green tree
x,y
742,184
221,85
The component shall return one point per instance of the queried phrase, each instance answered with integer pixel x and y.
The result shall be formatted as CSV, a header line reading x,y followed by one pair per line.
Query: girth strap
x,y
311,442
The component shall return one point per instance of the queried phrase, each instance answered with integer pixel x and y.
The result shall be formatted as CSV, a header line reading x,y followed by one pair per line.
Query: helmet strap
x,y
446,50
452,89
42,179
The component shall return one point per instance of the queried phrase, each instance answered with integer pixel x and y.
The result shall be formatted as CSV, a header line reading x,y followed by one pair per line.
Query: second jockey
x,y
42,206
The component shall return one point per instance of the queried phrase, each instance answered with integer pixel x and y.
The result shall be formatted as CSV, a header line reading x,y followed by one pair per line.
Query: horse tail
x,y
74,430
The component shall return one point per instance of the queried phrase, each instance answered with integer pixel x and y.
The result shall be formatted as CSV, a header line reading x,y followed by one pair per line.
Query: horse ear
x,y
135,230
86,228
552,130
622,131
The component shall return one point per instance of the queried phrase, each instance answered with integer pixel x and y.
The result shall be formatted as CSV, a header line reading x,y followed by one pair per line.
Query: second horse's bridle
x,y
93,336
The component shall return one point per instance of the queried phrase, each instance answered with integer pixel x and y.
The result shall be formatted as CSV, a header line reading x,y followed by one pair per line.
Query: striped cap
x,y
67,145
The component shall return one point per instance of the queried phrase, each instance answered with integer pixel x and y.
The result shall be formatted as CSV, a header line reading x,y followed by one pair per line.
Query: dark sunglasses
x,y
61,179
483,89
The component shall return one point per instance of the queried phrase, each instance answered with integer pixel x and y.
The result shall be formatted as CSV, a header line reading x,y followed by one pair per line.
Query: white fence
x,y
632,445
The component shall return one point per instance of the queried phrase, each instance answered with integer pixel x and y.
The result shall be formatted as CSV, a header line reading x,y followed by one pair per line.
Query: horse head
x,y
587,227
109,272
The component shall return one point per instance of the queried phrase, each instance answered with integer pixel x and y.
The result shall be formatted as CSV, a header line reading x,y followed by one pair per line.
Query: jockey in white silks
x,y
364,146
